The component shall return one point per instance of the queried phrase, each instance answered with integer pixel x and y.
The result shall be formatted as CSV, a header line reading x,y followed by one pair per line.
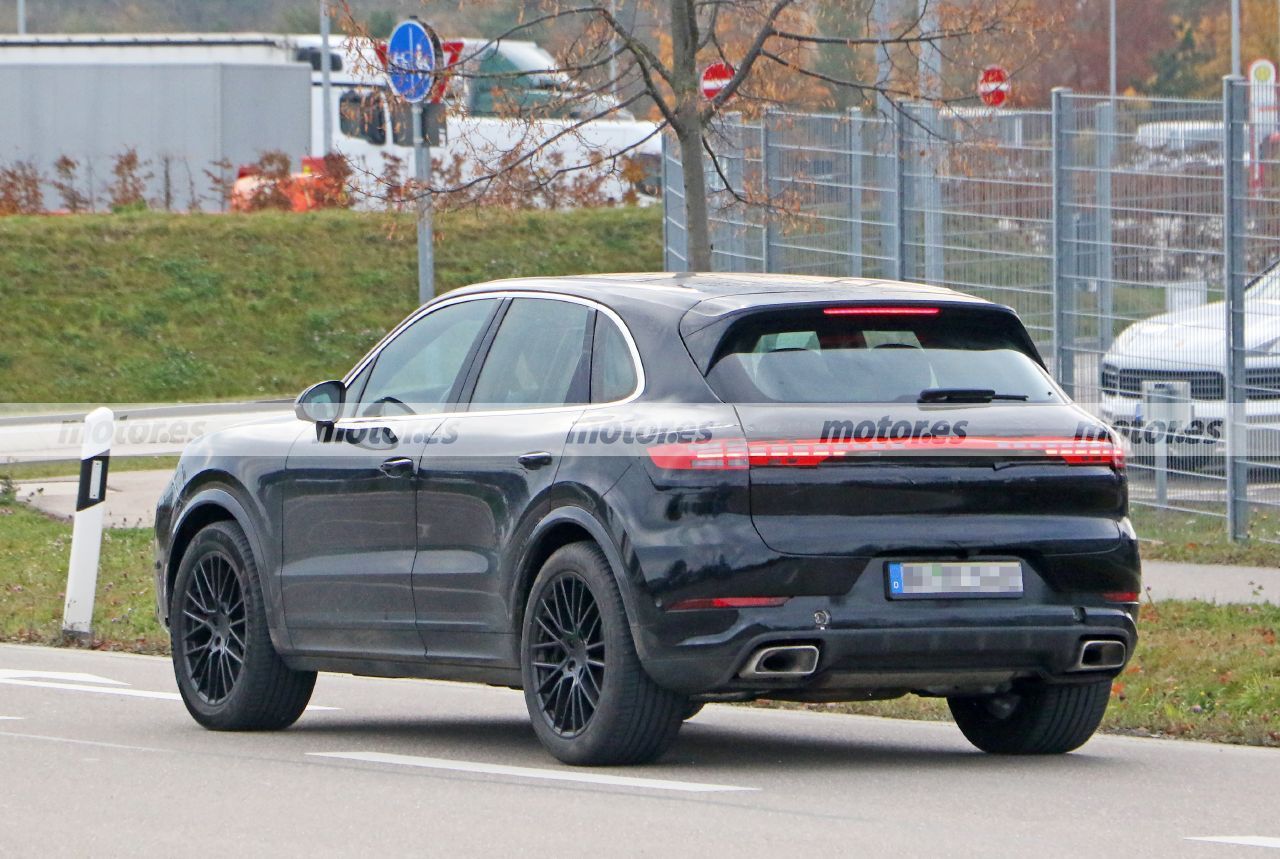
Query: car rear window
x,y
822,355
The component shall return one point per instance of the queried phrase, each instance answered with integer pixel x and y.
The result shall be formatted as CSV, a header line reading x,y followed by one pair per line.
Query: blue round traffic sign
x,y
411,60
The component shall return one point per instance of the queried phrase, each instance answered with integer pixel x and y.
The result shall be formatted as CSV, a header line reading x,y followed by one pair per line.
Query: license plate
x,y
934,579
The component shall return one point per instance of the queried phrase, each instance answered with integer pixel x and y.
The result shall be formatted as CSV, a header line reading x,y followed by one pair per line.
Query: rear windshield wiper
x,y
964,395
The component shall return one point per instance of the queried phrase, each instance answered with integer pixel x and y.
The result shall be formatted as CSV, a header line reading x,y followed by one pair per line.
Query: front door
x,y
350,495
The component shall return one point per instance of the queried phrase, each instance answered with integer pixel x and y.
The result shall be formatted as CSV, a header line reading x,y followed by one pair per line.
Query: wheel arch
x,y
560,527
216,501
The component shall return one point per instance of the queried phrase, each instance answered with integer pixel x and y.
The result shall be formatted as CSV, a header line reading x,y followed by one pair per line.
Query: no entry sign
x,y
715,77
993,85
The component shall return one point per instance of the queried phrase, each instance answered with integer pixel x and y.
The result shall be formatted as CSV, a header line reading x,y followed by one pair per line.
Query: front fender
x,y
226,498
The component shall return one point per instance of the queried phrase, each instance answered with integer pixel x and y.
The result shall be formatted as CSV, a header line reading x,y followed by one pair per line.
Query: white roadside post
x,y
86,535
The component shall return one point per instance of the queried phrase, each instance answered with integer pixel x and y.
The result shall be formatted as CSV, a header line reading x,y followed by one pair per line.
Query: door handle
x,y
399,466
535,459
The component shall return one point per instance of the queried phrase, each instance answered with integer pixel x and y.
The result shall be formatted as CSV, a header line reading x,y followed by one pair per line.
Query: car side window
x,y
537,357
613,372
416,372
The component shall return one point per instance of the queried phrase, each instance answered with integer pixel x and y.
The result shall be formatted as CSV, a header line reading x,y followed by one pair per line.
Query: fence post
x,y
1233,265
735,177
1064,247
854,213
666,201
1104,272
898,264
930,192
767,170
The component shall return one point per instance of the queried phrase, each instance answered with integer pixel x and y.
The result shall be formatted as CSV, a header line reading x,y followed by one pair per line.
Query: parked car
x,y
628,495
1186,351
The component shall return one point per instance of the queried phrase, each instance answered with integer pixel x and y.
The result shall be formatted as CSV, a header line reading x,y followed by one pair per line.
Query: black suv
x,y
632,494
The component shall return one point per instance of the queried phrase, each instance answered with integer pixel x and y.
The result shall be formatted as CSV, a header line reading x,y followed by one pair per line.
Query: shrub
x,y
127,189
20,192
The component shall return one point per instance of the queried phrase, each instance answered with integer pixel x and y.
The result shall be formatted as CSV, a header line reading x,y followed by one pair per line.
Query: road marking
x,y
11,718
75,742
531,772
101,690
1243,840
64,676
110,690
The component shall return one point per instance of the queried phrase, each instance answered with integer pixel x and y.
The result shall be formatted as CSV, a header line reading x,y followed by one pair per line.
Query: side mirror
x,y
321,403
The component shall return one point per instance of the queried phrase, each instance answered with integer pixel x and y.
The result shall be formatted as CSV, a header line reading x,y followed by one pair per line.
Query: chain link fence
x,y
1138,239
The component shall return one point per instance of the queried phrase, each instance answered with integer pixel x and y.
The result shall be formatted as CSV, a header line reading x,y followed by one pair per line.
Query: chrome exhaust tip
x,y
780,661
1100,655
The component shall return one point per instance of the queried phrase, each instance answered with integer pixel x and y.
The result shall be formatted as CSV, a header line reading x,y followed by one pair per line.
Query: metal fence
x,y
1135,237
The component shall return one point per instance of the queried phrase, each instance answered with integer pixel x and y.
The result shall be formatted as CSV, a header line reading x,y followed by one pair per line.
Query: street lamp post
x,y
325,85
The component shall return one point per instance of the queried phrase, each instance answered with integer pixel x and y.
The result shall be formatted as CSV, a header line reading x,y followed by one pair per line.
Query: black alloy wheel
x,y
590,700
229,674
568,655
214,641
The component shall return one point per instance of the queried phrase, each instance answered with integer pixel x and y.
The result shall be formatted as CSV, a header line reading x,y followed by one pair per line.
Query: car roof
x,y
681,291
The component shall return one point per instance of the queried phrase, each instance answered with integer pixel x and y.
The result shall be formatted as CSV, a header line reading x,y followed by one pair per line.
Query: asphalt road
x,y
98,757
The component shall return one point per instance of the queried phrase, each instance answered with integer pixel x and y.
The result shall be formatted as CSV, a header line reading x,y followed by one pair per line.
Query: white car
x,y
1166,376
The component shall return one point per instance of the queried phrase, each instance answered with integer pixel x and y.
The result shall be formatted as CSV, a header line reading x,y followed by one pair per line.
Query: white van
x,y
368,125
484,124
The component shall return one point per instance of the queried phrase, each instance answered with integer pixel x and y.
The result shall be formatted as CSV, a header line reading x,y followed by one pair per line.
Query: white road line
x,y
11,718
531,772
64,676
101,690
75,742
110,690
1243,840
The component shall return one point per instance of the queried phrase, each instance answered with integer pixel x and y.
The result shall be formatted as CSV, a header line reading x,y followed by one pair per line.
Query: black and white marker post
x,y
86,535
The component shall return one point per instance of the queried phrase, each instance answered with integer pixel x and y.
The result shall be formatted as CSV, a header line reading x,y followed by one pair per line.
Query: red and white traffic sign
x,y
715,77
993,86
452,52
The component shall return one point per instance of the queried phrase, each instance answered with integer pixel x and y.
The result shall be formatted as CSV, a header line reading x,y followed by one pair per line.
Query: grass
x,y
34,551
1170,535
1202,671
150,307
67,467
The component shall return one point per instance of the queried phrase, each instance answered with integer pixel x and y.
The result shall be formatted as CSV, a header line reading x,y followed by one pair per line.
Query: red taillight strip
x,y
735,454
1120,596
697,456
896,310
727,602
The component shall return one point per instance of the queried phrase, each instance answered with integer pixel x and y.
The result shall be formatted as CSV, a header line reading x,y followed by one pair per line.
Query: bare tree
x,y
616,57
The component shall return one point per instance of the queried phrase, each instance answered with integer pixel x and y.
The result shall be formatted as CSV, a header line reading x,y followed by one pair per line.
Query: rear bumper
x,y
940,648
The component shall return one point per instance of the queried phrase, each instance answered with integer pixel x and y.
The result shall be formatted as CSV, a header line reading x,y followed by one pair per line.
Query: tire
x,y
1043,720
591,702
229,674
694,708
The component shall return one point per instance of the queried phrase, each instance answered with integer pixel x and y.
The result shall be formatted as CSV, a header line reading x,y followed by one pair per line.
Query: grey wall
x,y
188,116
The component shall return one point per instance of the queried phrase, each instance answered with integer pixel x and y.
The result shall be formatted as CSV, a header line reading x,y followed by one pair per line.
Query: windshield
x,y
540,67
1267,285
819,356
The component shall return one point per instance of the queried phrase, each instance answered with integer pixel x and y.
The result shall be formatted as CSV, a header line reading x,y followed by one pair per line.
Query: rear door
x,y
488,469
871,428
